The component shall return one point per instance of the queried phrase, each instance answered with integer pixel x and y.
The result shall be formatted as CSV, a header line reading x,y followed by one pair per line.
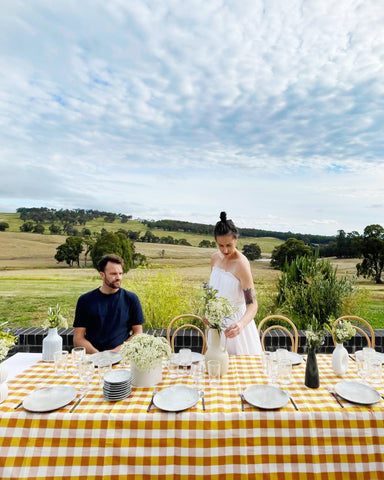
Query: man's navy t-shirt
x,y
108,319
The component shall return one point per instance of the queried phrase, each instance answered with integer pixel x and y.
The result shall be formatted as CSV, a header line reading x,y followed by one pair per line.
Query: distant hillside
x,y
180,226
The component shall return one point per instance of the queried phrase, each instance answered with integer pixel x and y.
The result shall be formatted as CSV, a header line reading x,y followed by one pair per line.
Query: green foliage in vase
x,y
309,288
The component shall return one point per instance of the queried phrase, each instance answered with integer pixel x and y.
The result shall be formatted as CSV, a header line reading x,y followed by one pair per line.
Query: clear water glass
x,y
102,370
213,372
375,370
61,362
173,365
185,358
86,372
273,368
362,365
285,371
77,354
197,374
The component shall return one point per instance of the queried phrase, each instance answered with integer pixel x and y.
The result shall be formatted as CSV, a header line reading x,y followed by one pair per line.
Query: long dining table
x,y
321,439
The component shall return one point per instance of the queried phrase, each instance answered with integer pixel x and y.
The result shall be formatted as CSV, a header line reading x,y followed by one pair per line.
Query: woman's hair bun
x,y
223,217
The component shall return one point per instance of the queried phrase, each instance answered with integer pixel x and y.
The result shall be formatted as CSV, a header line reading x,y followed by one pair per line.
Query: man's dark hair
x,y
109,258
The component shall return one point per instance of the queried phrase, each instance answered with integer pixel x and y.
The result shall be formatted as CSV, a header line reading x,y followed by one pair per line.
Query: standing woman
x,y
232,278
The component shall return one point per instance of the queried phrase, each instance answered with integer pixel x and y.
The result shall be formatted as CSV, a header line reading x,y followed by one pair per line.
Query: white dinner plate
x,y
295,358
196,357
379,355
176,398
267,397
357,393
104,358
118,376
50,398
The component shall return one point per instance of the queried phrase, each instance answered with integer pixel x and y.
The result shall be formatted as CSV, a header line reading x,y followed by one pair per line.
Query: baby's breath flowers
x,y
342,331
7,340
54,319
214,309
145,351
315,334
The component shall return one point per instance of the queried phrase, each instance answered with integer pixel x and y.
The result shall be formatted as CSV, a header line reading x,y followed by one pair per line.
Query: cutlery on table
x,y
242,398
79,400
293,402
336,397
151,402
202,399
352,358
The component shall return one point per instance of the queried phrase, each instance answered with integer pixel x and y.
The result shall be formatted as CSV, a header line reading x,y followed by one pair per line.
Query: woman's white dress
x,y
228,286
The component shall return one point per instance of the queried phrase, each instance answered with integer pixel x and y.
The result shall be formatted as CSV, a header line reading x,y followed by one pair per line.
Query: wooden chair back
x,y
185,326
294,339
370,341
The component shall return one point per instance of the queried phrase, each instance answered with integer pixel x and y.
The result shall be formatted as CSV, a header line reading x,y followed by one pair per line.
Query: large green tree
x,y
288,251
252,251
372,250
70,251
116,243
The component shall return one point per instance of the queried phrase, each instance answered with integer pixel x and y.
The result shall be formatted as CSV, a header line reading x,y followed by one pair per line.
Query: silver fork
x,y
202,399
334,394
241,394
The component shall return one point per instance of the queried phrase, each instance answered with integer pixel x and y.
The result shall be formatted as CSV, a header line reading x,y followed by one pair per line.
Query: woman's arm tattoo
x,y
249,295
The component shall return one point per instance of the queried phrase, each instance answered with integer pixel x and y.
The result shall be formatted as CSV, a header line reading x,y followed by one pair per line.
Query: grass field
x,y
31,280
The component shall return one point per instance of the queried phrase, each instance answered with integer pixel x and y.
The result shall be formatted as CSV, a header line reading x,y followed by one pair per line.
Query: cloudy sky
x,y
272,110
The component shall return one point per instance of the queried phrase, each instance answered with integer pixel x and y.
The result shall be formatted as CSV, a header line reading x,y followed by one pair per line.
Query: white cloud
x,y
211,97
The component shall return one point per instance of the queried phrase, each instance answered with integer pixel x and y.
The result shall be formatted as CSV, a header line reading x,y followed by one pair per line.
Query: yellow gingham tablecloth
x,y
120,440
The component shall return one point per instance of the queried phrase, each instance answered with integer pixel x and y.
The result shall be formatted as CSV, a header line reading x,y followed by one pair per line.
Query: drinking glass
x,y
86,372
102,369
213,372
173,365
375,370
77,353
285,371
273,368
362,365
61,362
185,358
265,362
197,374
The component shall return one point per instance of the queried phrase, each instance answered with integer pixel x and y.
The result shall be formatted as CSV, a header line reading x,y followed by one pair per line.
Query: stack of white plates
x,y
117,385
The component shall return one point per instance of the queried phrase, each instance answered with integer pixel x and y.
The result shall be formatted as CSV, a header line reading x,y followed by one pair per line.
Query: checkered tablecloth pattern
x,y
101,439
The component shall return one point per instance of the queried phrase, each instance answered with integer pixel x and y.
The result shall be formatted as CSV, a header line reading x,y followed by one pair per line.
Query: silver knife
x,y
202,399
151,402
336,397
242,400
293,403
78,401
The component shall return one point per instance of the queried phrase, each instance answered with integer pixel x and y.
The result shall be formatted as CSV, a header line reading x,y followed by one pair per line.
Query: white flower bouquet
x,y
342,331
54,319
145,351
214,309
315,334
7,340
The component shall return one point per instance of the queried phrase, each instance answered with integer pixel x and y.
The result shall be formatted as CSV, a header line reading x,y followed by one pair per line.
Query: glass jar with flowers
x,y
146,352
213,311
315,337
7,340
53,342
341,332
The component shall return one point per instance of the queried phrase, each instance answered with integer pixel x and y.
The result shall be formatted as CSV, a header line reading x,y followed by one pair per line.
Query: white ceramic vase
x,y
3,382
146,379
216,351
52,343
340,360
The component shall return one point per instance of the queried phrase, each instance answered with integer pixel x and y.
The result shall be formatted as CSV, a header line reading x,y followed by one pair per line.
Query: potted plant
x,y
315,337
146,353
213,311
53,342
341,332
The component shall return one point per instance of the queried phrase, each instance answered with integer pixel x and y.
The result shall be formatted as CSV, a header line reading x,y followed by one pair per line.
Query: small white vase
x,y
3,382
146,379
52,343
216,351
340,360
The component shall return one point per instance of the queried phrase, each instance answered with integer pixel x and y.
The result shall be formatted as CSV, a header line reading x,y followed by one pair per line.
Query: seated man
x,y
107,317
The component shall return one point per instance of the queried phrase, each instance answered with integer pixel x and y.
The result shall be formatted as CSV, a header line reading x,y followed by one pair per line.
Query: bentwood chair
x,y
294,339
353,318
183,327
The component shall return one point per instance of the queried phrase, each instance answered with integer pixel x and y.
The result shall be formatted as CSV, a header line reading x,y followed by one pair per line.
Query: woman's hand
x,y
205,321
233,330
